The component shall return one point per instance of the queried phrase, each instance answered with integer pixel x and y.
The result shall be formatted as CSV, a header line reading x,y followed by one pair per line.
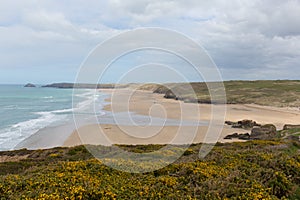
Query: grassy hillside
x,y
250,170
276,93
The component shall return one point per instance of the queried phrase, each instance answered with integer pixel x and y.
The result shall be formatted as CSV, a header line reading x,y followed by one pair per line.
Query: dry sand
x,y
142,101
147,103
112,134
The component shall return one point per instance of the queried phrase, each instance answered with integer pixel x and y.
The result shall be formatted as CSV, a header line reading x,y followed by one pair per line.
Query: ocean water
x,y
24,111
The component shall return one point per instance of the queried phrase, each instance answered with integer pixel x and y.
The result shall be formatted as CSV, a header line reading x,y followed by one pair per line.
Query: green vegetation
x,y
276,93
264,92
289,132
249,170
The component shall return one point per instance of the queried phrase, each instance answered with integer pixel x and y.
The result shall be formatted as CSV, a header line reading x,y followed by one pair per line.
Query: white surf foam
x,y
91,105
13,135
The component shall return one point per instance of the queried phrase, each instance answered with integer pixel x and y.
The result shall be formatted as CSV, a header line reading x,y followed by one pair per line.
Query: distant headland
x,y
279,93
80,85
29,85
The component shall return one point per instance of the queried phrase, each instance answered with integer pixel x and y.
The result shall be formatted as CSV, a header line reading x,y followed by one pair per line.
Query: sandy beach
x,y
155,105
142,101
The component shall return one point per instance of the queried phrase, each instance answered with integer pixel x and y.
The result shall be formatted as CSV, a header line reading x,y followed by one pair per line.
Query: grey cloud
x,y
241,36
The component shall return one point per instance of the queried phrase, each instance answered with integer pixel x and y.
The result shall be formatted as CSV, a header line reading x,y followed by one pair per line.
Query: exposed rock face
x,y
267,131
290,126
29,85
229,123
258,132
243,136
161,90
234,135
245,124
170,95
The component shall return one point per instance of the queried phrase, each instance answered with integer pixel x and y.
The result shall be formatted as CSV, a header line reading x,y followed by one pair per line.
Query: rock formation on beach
x,y
245,124
170,95
242,136
267,131
263,132
258,131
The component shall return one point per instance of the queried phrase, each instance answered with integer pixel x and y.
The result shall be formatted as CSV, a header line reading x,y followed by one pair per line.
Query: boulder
x,y
229,123
245,136
242,136
245,124
234,135
267,131
29,85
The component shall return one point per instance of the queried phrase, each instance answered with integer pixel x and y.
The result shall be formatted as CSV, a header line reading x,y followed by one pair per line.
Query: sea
x,y
36,112
24,110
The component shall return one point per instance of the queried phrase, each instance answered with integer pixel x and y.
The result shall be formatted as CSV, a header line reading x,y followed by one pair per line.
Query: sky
x,y
47,41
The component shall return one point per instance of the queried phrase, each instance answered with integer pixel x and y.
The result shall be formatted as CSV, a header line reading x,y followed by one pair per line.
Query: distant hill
x,y
280,93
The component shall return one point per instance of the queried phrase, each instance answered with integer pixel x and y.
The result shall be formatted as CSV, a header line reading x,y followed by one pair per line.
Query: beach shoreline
x,y
142,102
146,103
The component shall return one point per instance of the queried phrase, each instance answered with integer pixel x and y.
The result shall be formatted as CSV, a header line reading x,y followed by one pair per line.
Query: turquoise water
x,y
24,111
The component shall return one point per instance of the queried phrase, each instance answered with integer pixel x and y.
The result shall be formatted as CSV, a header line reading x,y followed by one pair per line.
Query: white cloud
x,y
242,36
46,21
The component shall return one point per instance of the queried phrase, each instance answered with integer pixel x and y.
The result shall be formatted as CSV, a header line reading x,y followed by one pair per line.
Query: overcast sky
x,y
46,41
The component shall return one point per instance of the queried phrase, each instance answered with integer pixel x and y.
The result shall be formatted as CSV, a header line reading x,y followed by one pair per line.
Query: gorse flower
x,y
250,170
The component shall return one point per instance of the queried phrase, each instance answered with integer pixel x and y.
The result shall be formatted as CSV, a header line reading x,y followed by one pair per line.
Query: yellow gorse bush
x,y
252,170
